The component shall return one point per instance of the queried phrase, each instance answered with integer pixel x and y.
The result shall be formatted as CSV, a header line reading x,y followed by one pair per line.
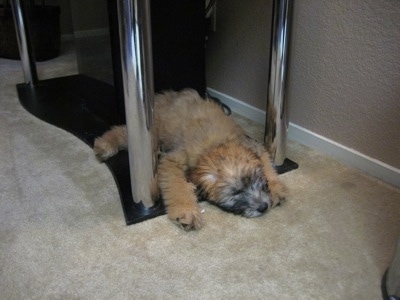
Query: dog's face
x,y
232,177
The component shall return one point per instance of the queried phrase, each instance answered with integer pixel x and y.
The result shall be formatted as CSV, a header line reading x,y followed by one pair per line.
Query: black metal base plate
x,y
60,102
86,108
287,166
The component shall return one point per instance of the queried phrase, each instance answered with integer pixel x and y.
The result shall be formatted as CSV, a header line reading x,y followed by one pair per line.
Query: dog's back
x,y
185,120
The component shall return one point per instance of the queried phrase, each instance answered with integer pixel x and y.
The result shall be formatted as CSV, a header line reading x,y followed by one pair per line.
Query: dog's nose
x,y
263,207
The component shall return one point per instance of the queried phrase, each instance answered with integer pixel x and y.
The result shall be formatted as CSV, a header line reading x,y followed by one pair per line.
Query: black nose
x,y
263,207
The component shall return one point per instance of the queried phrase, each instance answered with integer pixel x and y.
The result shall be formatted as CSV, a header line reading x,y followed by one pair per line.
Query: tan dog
x,y
206,154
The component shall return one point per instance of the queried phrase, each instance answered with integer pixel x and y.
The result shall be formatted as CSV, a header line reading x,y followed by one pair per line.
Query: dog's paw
x,y
278,192
186,218
103,149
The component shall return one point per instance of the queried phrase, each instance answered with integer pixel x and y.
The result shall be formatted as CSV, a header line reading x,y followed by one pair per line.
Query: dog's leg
x,y
277,188
178,193
110,142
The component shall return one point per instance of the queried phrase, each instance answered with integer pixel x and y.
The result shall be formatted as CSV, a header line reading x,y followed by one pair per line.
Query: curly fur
x,y
205,154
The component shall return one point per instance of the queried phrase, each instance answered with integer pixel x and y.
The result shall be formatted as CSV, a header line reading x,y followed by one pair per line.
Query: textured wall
x,y
345,73
238,52
344,67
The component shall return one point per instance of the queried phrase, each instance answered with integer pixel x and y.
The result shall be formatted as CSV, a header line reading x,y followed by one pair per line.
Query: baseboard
x,y
84,34
345,154
91,33
313,140
239,107
67,37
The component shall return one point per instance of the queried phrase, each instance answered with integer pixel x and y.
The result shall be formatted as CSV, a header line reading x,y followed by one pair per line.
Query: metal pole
x,y
25,45
276,122
137,78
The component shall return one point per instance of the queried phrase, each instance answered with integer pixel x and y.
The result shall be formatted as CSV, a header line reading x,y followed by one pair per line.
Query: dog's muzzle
x,y
263,207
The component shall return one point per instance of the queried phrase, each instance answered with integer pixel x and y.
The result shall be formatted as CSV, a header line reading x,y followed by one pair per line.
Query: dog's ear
x,y
203,178
204,181
211,178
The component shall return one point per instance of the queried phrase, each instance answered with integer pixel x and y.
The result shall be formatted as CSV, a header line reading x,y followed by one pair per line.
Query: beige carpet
x,y
63,234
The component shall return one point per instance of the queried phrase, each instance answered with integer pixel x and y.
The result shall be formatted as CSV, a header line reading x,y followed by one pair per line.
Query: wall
x,y
87,16
345,74
344,82
238,52
65,15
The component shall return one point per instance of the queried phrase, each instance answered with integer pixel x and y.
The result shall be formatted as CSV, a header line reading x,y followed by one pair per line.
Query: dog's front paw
x,y
278,192
103,149
187,218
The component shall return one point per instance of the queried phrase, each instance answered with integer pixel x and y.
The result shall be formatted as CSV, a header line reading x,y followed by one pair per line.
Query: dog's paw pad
x,y
103,149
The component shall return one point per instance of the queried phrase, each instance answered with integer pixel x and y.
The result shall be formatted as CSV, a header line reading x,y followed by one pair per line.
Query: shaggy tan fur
x,y
205,154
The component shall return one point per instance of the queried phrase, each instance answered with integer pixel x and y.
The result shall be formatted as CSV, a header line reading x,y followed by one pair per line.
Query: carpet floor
x,y
63,233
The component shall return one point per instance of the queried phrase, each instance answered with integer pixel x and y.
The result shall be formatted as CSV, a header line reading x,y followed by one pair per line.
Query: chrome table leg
x,y
276,120
137,77
24,41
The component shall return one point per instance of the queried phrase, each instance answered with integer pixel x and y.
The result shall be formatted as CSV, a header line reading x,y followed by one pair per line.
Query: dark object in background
x,y
44,26
178,36
178,42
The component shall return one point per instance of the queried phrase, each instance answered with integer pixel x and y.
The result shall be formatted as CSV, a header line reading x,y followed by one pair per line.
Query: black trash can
x,y
44,23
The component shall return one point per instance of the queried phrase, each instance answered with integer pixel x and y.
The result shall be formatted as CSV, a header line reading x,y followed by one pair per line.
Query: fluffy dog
x,y
205,154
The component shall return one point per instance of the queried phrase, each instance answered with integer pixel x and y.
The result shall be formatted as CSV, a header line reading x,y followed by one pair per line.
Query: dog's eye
x,y
237,192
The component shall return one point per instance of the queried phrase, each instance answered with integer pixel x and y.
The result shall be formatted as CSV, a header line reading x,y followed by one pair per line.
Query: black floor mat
x,y
86,108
